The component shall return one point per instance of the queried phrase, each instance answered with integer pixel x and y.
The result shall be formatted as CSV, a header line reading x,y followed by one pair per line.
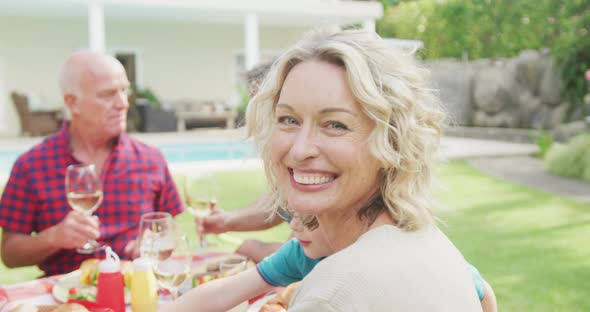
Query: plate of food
x,y
81,284
218,267
64,307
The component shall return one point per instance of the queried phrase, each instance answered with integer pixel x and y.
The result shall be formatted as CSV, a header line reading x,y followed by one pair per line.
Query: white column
x,y
252,51
369,25
96,41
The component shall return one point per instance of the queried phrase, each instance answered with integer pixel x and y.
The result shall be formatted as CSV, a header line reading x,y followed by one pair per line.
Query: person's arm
x,y
19,249
254,217
221,294
257,250
488,303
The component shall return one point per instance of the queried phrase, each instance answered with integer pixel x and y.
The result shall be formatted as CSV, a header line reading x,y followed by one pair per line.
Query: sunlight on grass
x,y
531,246
527,244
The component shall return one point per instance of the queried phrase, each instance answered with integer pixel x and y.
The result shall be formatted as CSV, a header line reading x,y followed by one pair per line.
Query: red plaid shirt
x,y
135,180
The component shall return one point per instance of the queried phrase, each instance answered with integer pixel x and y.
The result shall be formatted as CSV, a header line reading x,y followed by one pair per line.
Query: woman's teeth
x,y
312,178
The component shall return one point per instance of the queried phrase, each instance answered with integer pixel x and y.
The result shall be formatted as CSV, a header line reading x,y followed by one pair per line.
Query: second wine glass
x,y
174,267
84,194
152,226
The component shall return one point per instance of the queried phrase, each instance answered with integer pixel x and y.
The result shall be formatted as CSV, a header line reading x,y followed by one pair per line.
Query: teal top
x,y
477,281
289,264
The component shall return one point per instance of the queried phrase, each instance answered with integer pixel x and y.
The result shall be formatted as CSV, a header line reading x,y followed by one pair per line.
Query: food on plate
x,y
89,269
82,293
280,302
25,307
66,307
70,307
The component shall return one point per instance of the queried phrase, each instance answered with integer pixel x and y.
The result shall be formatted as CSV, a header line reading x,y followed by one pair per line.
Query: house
x,y
181,49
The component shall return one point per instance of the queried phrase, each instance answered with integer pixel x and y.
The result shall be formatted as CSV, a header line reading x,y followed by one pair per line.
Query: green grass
x,y
532,247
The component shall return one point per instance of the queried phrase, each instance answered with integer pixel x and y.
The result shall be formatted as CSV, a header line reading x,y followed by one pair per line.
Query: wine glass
x,y
152,226
201,200
173,266
84,194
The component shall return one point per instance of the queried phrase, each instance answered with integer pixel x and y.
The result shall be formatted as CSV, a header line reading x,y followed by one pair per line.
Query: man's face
x,y
101,104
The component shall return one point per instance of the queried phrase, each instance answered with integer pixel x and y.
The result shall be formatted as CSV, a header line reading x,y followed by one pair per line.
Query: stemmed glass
x,y
84,194
172,267
201,199
152,226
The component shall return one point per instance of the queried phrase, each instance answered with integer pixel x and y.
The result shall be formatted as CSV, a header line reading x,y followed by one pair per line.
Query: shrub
x,y
544,142
498,29
571,159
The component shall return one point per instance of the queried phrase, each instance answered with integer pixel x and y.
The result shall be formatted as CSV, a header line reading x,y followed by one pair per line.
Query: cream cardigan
x,y
387,269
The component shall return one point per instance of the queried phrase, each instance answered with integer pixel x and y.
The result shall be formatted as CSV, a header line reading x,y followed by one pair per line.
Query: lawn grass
x,y
532,247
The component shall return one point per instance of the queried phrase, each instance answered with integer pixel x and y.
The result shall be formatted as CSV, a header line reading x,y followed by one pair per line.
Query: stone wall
x,y
521,92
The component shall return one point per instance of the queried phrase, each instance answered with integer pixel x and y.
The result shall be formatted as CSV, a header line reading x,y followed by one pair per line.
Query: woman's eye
x,y
337,125
287,120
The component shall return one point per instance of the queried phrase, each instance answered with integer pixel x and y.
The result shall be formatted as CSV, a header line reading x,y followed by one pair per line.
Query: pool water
x,y
174,153
208,151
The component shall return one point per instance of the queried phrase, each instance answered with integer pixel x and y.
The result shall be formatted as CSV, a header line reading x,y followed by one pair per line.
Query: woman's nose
x,y
305,145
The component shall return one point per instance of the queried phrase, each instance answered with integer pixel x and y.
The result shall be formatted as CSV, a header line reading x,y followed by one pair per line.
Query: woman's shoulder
x,y
388,266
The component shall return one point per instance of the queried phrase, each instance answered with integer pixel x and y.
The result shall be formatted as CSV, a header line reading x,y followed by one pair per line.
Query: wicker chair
x,y
36,123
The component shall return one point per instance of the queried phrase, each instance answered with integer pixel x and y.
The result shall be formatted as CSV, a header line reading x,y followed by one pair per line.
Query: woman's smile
x,y
311,181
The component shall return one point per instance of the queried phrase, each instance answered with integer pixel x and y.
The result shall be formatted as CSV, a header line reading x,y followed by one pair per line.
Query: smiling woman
x,y
347,128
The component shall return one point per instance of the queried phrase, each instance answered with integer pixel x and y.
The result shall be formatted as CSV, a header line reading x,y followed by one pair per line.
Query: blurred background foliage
x,y
473,29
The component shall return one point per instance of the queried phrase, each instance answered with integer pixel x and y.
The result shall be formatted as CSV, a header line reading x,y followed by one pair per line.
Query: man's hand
x,y
132,249
74,231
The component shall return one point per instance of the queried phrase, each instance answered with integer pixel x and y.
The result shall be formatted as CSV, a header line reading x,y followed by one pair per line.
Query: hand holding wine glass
x,y
173,266
201,200
84,194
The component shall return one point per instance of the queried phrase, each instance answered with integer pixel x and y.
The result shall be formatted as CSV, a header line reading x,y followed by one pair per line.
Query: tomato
x,y
72,291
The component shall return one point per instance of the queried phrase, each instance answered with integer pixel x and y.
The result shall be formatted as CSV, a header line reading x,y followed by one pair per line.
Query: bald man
x,y
39,227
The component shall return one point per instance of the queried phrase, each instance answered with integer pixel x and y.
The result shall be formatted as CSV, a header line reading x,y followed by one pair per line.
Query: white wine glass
x,y
84,194
173,267
201,199
152,226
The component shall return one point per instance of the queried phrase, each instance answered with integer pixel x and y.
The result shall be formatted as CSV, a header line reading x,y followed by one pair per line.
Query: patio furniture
x,y
152,119
203,114
35,122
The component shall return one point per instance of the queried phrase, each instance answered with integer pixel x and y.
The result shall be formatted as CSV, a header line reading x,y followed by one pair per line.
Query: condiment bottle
x,y
110,291
144,288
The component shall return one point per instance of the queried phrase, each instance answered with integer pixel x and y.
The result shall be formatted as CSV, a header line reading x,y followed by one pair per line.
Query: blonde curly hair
x,y
394,91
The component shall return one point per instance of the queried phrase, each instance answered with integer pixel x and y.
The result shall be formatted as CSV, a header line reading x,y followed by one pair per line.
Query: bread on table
x,y
25,307
280,302
70,307
66,307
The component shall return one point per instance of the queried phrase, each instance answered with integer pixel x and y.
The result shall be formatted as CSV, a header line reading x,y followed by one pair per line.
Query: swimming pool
x,y
175,153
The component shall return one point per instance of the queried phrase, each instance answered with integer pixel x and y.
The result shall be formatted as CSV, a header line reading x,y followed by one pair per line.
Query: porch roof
x,y
269,12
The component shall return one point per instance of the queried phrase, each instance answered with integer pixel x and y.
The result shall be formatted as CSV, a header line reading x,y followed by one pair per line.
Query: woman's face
x,y
320,142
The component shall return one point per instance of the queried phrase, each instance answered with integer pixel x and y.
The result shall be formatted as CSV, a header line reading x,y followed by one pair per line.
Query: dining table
x,y
39,292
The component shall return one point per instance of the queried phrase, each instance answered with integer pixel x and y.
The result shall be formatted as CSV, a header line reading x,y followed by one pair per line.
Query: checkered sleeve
x,y
18,204
169,198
